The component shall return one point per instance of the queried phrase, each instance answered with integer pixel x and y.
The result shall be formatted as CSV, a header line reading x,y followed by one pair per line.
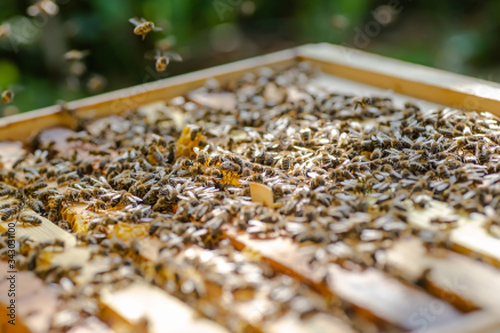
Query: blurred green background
x,y
458,36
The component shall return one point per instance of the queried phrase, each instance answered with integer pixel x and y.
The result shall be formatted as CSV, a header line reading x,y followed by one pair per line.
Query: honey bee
x,y
163,59
410,105
52,242
305,134
214,172
230,166
7,96
56,207
317,182
37,206
30,219
7,213
34,187
4,30
414,166
96,83
63,224
185,163
143,27
361,102
7,191
201,154
193,132
48,7
155,155
76,55
256,178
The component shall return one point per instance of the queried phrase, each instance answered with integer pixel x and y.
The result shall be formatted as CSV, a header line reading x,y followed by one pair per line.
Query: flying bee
x,y
7,96
96,83
48,7
76,55
163,59
4,30
143,27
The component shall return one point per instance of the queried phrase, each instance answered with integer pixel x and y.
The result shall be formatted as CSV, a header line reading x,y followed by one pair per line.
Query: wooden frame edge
x,y
409,79
418,81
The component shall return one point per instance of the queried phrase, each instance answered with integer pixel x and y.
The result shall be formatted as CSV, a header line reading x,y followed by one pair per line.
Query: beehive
x,y
293,193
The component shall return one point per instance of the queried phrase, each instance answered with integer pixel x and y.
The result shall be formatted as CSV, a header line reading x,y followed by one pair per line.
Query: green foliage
x,y
455,36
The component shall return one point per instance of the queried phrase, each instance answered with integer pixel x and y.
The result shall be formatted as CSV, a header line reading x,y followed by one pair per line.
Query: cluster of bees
x,y
345,172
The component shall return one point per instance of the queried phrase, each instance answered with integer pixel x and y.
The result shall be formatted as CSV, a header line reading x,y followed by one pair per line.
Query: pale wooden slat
x,y
9,153
44,232
283,254
409,79
162,312
468,237
91,325
375,295
219,101
385,297
475,322
315,324
474,239
466,283
35,303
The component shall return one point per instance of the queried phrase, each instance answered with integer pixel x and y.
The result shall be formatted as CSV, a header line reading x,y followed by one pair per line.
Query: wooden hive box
x,y
452,289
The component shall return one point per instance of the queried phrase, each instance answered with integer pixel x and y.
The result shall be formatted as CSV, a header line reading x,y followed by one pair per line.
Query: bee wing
x,y
15,88
173,56
135,21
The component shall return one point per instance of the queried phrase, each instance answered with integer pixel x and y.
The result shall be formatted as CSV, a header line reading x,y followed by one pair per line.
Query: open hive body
x,y
259,202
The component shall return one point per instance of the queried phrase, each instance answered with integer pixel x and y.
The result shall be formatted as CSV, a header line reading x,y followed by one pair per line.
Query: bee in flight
x,y
163,58
7,95
4,30
48,7
143,27
76,55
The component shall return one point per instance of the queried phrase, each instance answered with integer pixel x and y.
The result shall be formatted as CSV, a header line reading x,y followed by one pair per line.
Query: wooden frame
x,y
422,82
425,83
